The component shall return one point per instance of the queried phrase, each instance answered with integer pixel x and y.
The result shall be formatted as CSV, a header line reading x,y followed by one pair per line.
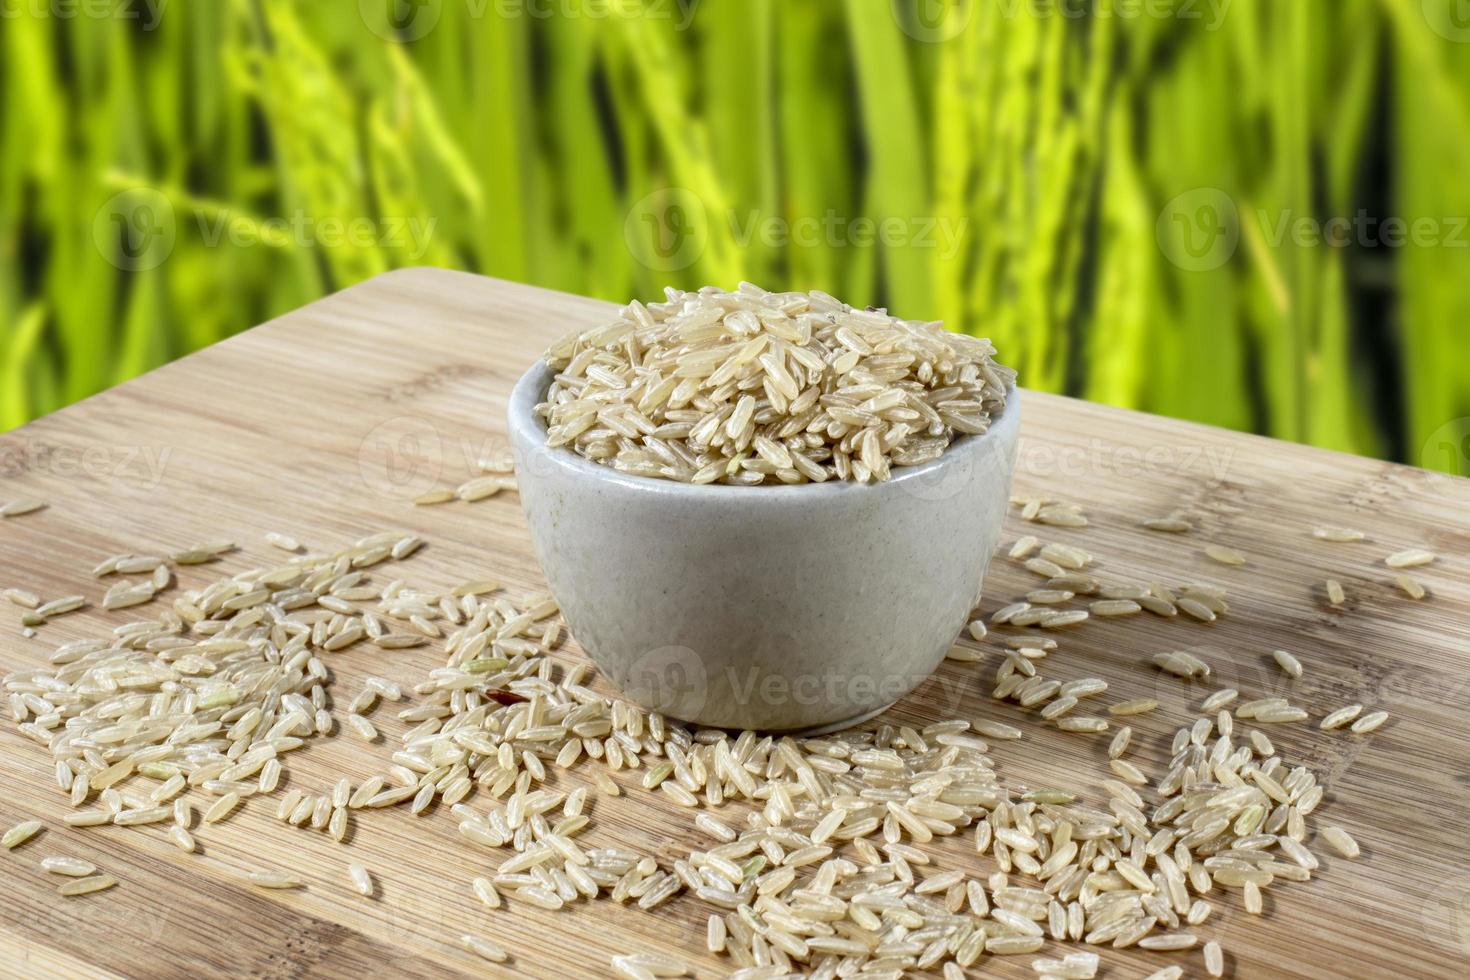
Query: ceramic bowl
x,y
772,608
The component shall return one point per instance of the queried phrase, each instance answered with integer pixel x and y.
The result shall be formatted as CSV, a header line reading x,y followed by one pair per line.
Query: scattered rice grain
x,y
1370,722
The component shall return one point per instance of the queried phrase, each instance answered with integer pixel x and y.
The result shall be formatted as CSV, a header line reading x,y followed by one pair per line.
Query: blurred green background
x,y
1245,212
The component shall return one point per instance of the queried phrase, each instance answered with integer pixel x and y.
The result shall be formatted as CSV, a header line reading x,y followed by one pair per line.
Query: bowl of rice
x,y
762,510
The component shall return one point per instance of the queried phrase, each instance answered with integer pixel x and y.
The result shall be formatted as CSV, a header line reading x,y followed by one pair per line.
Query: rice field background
x,y
1244,212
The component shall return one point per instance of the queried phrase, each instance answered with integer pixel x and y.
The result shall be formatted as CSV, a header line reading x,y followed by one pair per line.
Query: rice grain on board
x,y
20,597
57,607
1410,586
1252,898
654,964
484,948
997,729
20,833
1167,973
1219,700
362,880
1169,525
1024,547
1342,842
1370,722
1409,558
1341,716
87,886
221,808
1224,555
68,866
1137,706
1214,959
1290,665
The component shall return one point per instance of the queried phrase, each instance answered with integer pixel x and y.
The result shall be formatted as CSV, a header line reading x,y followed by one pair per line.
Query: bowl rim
x,y
525,424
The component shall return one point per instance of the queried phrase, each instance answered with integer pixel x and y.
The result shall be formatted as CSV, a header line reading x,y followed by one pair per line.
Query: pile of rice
x,y
752,387
817,856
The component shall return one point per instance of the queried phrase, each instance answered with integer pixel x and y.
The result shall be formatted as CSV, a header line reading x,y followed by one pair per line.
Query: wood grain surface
x,y
323,423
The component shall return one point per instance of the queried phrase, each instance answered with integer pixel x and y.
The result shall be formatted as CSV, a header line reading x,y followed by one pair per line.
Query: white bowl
x,y
767,607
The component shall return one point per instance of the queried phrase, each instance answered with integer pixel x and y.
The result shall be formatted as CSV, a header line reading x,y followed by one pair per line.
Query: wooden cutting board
x,y
323,423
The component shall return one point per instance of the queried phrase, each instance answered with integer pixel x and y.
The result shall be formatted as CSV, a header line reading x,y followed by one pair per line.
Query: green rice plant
x,y
1112,191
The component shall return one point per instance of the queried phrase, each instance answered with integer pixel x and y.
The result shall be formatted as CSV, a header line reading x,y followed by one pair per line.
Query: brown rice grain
x,y
1114,607
1169,941
283,541
1196,609
1341,716
1342,842
484,948
1218,700
1224,555
20,833
1410,587
362,880
271,879
1060,620
68,866
1024,547
1410,558
1369,722
1158,606
1128,772
1290,665
1214,959
1252,898
22,598
222,808
87,886
87,818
